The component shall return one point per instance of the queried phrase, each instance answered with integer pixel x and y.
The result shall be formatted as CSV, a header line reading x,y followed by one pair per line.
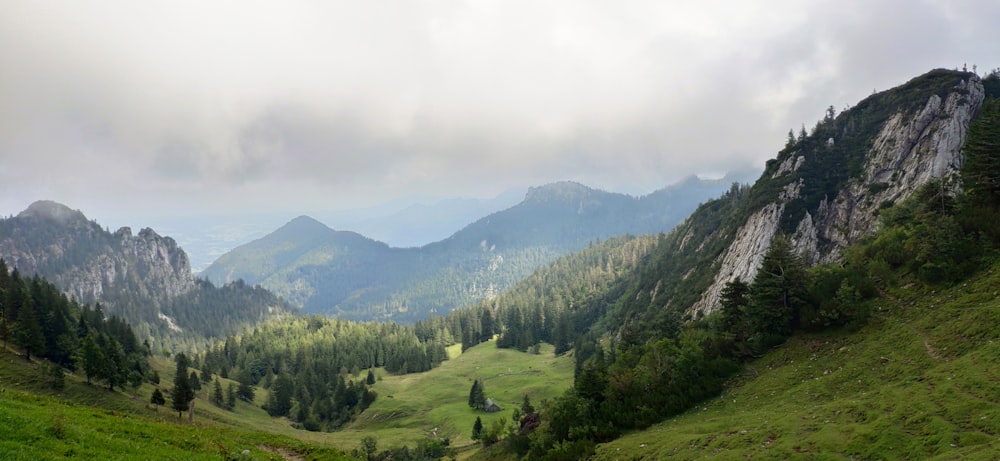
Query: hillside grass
x,y
90,422
921,380
435,403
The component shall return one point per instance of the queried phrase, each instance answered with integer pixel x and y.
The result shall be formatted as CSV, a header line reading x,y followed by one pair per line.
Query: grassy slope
x,y
92,423
411,407
920,381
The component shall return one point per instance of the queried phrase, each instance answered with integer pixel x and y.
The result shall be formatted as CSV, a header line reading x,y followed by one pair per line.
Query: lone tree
x,y
371,377
157,399
183,394
477,395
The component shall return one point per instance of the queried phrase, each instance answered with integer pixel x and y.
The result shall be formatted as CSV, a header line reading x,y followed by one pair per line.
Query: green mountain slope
x,y
920,381
344,274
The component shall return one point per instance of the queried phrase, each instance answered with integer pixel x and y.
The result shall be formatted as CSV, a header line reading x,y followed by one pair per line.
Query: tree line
x,y
45,323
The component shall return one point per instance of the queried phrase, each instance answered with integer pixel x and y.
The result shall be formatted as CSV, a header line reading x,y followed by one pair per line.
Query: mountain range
x,y
348,275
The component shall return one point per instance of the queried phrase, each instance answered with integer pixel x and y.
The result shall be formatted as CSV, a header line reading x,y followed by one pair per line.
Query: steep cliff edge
x,y
825,189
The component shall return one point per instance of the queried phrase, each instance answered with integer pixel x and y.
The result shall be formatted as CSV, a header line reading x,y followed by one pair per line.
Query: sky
x,y
127,110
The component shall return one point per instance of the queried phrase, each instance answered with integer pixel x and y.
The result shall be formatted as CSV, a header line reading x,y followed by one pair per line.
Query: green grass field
x,y
414,406
90,422
920,381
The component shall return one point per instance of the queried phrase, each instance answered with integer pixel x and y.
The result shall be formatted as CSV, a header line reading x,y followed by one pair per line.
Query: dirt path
x,y
282,452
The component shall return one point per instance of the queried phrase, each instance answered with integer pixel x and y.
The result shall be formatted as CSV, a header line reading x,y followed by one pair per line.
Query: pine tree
x,y
195,381
217,398
777,295
245,391
231,396
526,408
371,377
477,429
28,330
157,399
93,358
477,395
183,394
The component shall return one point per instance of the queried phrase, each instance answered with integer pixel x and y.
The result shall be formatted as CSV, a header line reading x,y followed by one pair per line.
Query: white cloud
x,y
248,105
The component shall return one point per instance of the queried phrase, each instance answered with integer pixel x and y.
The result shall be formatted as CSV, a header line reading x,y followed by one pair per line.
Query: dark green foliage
x,y
245,391
477,395
477,429
182,394
230,396
981,168
779,293
195,381
56,376
27,330
526,407
157,398
217,397
279,400
47,324
371,377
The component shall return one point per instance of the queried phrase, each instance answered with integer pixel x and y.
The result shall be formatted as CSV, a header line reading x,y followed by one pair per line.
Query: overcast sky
x,y
160,108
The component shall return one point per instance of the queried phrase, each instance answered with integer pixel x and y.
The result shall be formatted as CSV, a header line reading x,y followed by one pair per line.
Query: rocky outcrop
x,y
911,148
908,152
88,262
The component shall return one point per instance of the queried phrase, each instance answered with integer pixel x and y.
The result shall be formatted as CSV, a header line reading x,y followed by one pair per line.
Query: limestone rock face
x,y
908,152
87,262
910,149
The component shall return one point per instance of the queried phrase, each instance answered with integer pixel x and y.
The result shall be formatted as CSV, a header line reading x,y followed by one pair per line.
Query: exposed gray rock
x,y
87,262
909,150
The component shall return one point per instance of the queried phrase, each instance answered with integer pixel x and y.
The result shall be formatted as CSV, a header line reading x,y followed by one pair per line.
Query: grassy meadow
x,y
89,422
920,381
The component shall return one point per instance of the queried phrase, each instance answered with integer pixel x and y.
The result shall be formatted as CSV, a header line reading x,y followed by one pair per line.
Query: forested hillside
x,y
653,355
44,323
348,276
144,279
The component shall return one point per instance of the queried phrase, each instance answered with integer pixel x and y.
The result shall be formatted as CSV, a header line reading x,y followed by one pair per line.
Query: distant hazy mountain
x,y
346,274
144,278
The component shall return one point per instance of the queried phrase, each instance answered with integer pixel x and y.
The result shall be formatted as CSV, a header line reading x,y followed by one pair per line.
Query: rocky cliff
x,y
145,278
825,190
89,263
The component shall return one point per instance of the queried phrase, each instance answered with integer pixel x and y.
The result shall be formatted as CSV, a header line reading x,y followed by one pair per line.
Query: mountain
x,y
824,191
421,223
874,209
345,274
144,278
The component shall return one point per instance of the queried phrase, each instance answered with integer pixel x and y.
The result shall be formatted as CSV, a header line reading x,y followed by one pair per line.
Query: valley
x,y
843,305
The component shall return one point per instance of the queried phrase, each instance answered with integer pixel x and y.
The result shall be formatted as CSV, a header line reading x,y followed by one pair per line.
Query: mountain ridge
x,y
472,264
144,278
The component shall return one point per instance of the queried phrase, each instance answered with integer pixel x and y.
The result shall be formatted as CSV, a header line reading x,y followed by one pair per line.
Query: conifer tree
x,y
28,330
195,381
477,395
477,429
777,295
157,399
217,398
371,377
231,396
183,394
